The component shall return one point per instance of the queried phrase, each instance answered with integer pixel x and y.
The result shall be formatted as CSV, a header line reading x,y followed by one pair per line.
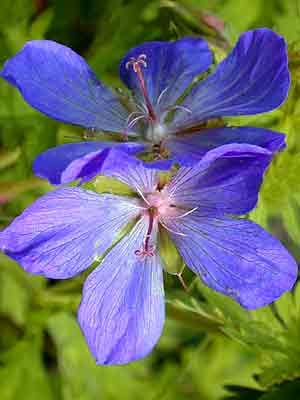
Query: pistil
x,y
149,231
148,249
136,64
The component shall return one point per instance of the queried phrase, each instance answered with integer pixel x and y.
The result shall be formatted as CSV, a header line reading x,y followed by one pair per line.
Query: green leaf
x,y
271,334
78,371
9,158
81,378
17,289
22,373
242,393
195,315
41,24
232,364
286,391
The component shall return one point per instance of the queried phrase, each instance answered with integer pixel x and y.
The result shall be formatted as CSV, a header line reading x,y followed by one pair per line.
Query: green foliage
x,y
280,193
23,374
211,348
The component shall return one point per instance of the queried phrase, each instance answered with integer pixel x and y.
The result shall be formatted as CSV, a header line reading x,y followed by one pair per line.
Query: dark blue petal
x,y
235,257
253,79
58,82
122,310
51,164
63,232
171,67
188,150
226,180
69,162
105,162
161,165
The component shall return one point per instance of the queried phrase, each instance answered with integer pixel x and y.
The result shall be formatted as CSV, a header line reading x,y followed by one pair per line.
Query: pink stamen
x,y
133,114
130,122
142,195
187,213
134,121
171,230
161,95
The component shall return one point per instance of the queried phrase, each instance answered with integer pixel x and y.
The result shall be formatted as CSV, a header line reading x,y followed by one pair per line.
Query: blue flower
x,y
254,78
122,310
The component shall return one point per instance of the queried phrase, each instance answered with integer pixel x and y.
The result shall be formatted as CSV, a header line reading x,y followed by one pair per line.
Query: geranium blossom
x,y
52,78
122,311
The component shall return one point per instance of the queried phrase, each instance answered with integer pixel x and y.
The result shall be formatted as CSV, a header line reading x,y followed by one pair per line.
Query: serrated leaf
x,y
194,315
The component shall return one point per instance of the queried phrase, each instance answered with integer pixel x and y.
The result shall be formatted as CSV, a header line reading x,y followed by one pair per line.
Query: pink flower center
x,y
160,204
156,205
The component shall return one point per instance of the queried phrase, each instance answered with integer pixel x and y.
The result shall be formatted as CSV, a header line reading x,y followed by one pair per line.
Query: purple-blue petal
x,y
171,67
141,179
253,79
122,311
235,257
58,82
159,165
51,163
68,162
63,232
189,149
225,181
104,162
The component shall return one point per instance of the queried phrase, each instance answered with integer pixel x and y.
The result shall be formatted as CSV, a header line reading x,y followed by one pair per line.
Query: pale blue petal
x,y
63,232
122,311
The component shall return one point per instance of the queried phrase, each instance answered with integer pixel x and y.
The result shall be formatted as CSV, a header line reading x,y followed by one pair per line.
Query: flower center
x,y
155,115
157,204
156,133
160,204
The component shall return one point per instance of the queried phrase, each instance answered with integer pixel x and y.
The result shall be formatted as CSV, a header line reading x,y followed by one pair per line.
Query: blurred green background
x,y
211,349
